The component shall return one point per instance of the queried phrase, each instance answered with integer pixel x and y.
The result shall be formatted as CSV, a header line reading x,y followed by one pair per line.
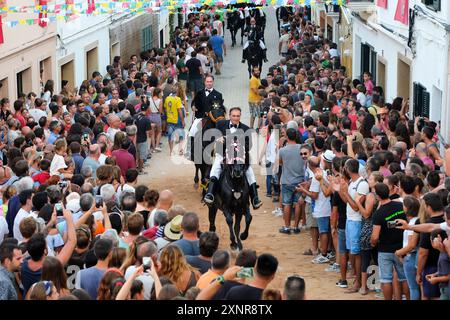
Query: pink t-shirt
x,y
369,87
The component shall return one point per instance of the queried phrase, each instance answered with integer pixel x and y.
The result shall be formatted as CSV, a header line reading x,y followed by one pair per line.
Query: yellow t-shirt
x,y
253,97
171,105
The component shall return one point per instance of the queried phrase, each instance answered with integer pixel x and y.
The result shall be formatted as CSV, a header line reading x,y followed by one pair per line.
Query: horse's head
x,y
237,170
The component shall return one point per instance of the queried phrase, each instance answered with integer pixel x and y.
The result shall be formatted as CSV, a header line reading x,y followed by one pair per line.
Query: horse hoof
x,y
243,236
234,247
212,229
196,185
239,246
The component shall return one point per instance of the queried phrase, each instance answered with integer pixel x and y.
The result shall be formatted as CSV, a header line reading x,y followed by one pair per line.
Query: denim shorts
x,y
142,149
387,261
195,85
174,128
352,235
430,290
254,109
341,241
324,224
288,194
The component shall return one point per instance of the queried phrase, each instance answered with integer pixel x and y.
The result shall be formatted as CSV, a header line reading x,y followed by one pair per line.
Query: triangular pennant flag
x,y
43,13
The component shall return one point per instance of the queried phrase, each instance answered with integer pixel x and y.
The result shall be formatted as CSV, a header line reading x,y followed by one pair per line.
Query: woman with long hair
x,y
108,279
156,108
53,270
176,269
131,256
48,91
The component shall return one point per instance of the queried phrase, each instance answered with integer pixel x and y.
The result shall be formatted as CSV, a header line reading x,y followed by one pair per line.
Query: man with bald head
x,y
92,159
114,126
165,202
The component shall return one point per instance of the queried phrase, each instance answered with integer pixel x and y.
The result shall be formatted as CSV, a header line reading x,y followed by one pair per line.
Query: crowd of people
x,y
369,182
75,222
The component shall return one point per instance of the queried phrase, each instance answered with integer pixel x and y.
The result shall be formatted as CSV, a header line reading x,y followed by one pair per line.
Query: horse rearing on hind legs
x,y
232,197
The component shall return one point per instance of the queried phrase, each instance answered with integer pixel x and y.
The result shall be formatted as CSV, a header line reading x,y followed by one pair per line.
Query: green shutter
x,y
146,38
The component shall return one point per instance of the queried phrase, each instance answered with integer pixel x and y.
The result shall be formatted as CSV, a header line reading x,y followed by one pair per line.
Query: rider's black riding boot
x,y
256,203
265,55
244,55
209,196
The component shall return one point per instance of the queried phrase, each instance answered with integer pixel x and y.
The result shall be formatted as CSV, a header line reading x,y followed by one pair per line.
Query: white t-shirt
x,y
308,175
363,189
204,60
321,205
407,233
54,241
102,159
37,114
361,98
333,53
22,214
217,25
3,228
111,133
151,219
124,188
445,226
284,40
57,163
145,278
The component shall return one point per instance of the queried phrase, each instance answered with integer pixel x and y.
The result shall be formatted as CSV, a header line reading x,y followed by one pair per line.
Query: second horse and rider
x,y
231,178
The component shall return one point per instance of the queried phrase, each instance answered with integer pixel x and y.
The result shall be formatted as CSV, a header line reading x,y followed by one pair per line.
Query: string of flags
x,y
50,13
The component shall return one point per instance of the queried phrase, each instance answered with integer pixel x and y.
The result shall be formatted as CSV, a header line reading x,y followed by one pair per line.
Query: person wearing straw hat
x,y
172,232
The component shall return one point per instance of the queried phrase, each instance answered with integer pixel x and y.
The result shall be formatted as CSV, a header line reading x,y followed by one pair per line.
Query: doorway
x,y
91,62
403,79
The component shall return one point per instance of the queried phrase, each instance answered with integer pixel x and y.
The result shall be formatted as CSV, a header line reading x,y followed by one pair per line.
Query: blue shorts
x,y
341,241
219,58
352,235
142,149
174,129
195,85
288,194
324,224
387,261
430,290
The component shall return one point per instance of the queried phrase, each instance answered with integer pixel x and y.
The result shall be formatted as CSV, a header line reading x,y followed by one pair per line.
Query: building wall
x,y
25,47
127,33
77,41
389,50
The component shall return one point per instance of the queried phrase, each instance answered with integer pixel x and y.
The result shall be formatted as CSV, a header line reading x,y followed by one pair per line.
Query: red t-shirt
x,y
124,160
21,119
353,118
41,177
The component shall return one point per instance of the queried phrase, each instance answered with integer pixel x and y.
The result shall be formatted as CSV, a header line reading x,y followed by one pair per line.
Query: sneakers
x,y
333,268
268,195
285,230
296,230
331,255
342,284
278,212
320,259
157,149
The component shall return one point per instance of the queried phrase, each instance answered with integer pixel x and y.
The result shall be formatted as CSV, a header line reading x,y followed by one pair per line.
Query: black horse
x,y
234,23
232,198
254,56
203,160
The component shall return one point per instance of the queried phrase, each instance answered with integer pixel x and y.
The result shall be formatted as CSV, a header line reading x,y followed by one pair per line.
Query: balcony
x,y
362,5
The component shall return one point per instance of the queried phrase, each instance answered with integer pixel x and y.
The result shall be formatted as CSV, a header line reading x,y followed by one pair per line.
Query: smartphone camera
x,y
63,184
147,264
59,209
98,201
391,224
85,137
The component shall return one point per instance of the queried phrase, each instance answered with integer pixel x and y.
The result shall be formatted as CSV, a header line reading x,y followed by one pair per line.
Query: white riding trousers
x,y
216,170
261,45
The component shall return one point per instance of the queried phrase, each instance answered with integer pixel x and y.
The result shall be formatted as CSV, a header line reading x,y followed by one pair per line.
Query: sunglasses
x,y
303,154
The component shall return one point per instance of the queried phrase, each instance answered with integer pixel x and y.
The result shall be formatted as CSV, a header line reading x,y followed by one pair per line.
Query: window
x,y
368,61
421,101
24,81
146,40
4,88
434,5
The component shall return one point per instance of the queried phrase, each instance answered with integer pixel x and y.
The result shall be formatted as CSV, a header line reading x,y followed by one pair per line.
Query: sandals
x,y
364,292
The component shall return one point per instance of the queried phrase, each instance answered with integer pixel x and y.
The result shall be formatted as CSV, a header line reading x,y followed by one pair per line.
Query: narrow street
x,y
177,174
